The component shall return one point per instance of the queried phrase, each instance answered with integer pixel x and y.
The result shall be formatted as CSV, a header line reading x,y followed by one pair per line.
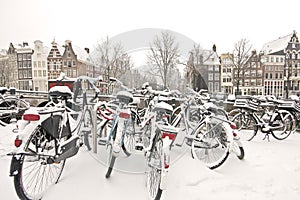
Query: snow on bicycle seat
x,y
3,90
163,106
62,91
125,96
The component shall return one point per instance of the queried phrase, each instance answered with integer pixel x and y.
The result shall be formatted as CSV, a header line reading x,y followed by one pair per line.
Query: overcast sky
x,y
220,22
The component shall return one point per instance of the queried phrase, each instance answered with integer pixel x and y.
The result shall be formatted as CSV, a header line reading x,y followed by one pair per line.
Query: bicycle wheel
x,y
210,144
111,161
246,125
153,172
37,171
111,157
282,125
129,141
238,149
85,129
14,103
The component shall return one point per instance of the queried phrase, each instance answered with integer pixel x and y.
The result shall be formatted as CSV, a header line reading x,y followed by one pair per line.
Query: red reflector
x,y
171,136
234,134
233,126
31,117
124,115
167,166
18,142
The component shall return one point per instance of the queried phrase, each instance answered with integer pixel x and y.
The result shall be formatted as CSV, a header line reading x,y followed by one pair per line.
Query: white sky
x,y
207,22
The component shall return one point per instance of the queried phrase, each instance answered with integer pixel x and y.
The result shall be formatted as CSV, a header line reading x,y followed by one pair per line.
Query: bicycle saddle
x,y
60,91
3,90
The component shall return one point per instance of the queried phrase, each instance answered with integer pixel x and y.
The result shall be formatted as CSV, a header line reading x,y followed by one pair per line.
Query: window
x,y
259,82
210,86
216,86
217,77
277,59
229,70
74,62
34,73
276,75
74,73
281,59
217,68
44,73
69,63
271,76
19,57
210,77
65,63
69,54
40,73
272,59
30,73
210,68
224,80
43,64
267,75
267,68
39,64
34,64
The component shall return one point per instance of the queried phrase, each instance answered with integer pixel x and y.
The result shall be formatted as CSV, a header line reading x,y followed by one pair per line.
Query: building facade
x,y
251,76
54,61
39,66
4,69
226,73
203,71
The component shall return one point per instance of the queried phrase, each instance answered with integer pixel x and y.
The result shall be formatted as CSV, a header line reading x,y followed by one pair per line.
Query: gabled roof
x,y
276,45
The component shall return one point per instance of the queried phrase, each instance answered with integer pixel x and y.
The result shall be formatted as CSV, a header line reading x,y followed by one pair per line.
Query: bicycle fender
x,y
15,165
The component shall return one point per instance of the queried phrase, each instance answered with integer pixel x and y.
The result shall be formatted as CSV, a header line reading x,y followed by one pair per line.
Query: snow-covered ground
x,y
270,171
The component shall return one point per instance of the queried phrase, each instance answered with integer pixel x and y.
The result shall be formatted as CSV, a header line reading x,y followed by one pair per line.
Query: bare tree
x,y
113,58
240,56
163,56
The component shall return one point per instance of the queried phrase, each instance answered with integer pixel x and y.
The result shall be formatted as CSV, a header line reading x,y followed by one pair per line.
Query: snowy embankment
x,y
271,170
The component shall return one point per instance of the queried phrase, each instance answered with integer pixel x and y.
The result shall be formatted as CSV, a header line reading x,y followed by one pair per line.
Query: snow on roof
x,y
82,55
276,45
209,57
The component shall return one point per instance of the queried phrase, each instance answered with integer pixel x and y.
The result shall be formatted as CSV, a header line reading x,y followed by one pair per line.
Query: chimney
x,y
87,50
25,44
214,48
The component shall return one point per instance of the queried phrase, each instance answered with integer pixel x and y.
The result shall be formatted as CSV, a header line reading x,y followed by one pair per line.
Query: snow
x,y
276,45
270,170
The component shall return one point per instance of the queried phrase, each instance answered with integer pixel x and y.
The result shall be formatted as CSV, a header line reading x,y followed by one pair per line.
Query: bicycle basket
x,y
246,104
289,105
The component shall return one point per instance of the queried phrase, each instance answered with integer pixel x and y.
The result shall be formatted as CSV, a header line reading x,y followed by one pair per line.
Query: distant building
x,y
13,66
281,58
226,73
251,76
4,69
54,61
39,66
203,71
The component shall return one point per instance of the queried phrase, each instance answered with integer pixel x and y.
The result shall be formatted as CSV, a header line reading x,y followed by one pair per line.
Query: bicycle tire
x,y
287,122
246,125
238,150
213,148
38,167
111,162
129,143
153,172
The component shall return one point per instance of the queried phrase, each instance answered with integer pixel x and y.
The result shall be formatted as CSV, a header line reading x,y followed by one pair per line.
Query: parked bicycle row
x,y
47,136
